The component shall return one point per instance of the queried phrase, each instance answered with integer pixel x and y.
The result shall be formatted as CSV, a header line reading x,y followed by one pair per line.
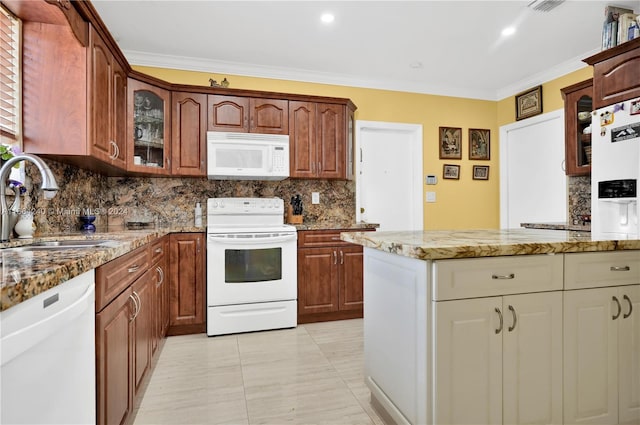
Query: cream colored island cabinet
x,y
602,338
502,339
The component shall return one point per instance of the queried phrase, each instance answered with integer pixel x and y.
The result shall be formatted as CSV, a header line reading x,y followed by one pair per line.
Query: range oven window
x,y
252,265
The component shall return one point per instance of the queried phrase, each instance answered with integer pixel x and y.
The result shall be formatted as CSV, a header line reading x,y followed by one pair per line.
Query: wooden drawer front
x,y
491,276
320,238
601,269
157,250
113,277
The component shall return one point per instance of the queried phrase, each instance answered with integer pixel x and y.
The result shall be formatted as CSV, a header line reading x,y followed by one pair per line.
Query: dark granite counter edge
x,y
55,267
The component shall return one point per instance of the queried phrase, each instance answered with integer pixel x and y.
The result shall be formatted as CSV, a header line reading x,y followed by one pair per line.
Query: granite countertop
x,y
334,225
26,274
441,244
558,226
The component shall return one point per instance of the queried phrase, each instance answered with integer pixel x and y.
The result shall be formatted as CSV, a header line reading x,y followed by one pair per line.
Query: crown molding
x,y
250,70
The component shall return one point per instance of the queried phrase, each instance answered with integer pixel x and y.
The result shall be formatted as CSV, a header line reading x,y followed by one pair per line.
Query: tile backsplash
x,y
168,201
579,198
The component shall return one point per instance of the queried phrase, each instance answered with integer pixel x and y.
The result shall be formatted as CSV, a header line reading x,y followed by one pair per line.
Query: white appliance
x,y
247,156
48,356
252,280
615,169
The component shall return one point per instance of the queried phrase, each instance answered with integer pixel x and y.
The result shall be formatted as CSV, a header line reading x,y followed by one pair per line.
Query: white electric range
x,y
251,266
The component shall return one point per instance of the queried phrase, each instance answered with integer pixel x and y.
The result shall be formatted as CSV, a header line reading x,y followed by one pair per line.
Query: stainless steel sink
x,y
66,244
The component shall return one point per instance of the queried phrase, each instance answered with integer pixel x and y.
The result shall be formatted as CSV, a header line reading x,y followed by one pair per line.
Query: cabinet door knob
x,y
501,321
515,318
628,300
615,316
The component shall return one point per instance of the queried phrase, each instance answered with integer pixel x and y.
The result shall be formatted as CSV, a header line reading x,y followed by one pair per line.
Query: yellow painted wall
x,y
461,204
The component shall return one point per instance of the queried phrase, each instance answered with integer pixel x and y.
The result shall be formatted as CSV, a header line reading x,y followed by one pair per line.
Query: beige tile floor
x,y
312,374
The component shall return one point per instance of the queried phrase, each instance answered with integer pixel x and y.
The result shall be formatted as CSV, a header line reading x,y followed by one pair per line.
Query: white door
x,y
468,374
629,355
590,357
532,358
533,184
389,175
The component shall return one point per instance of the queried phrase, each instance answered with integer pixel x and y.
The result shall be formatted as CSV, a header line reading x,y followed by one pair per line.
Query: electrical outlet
x,y
315,197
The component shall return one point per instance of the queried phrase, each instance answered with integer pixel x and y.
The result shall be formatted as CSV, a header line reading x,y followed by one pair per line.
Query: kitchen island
x,y
502,326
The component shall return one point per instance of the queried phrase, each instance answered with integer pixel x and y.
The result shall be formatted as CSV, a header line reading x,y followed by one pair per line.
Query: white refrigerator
x,y
615,170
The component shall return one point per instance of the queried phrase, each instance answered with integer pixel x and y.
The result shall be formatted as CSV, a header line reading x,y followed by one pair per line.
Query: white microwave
x,y
247,156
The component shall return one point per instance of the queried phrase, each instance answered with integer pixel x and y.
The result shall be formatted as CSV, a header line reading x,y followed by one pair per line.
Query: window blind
x,y
10,77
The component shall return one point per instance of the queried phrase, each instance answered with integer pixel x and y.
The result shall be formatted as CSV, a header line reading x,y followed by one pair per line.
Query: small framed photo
x,y
479,143
481,172
450,142
529,103
450,171
635,107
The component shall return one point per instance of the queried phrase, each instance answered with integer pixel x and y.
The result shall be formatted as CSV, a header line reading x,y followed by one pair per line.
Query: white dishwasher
x,y
47,353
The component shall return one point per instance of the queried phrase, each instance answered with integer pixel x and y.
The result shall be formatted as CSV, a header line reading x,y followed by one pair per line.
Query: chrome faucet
x,y
49,186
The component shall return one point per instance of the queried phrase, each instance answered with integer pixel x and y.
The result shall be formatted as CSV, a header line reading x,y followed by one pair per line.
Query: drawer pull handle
x,y
133,269
503,276
501,321
620,269
335,238
515,318
615,316
628,300
158,250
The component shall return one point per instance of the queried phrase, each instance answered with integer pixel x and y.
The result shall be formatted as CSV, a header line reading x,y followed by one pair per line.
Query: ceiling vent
x,y
544,5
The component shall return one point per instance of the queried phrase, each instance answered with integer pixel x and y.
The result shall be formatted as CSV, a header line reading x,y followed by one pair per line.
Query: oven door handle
x,y
252,241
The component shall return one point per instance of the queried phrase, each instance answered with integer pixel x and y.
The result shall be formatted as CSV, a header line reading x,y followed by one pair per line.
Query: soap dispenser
x,y
198,215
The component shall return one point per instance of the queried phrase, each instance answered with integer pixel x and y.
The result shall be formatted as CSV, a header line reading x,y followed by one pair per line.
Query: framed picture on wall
x,y
479,144
450,171
529,103
450,142
481,172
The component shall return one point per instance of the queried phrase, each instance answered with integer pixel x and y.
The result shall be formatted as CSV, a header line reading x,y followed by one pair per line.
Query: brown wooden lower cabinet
x,y
114,347
187,283
142,326
330,277
127,329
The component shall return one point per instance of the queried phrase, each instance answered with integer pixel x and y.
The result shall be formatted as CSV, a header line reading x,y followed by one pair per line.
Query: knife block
x,y
293,218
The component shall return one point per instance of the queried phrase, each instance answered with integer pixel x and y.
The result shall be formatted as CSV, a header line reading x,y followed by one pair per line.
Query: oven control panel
x,y
239,206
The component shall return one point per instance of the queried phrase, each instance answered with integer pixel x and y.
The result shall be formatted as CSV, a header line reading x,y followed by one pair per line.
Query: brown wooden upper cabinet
x,y
247,115
189,134
73,113
148,128
318,140
108,99
578,104
615,74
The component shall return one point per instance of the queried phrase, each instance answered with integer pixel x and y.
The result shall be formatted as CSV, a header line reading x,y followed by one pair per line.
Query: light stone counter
x,y
441,244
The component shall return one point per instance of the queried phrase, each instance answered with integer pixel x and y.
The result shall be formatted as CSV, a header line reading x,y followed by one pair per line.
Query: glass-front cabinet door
x,y
149,129
578,105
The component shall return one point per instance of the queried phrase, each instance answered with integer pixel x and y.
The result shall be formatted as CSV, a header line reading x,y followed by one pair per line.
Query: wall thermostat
x,y
431,179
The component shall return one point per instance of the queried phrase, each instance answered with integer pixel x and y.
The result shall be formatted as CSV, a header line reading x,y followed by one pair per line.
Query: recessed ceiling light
x,y
327,18
508,31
